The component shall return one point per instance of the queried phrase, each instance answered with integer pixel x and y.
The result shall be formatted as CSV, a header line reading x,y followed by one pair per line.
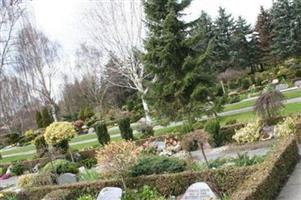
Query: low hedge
x,y
224,180
272,174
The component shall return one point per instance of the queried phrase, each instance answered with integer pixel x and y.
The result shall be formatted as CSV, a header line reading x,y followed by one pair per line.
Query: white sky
x,y
61,19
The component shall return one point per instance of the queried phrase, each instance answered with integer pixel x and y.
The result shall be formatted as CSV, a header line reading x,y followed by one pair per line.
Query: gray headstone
x,y
298,83
110,193
281,87
199,191
91,130
67,178
159,145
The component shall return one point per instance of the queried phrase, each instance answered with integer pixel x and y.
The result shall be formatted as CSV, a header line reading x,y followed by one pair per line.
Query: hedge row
x,y
224,180
272,174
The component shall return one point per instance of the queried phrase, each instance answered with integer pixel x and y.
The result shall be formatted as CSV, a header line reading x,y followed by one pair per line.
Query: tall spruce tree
x,y
297,26
284,44
241,46
181,79
223,30
264,29
47,118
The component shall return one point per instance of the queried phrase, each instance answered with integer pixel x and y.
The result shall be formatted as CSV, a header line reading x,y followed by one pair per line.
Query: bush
x,y
89,175
58,195
216,137
17,168
231,122
34,180
86,197
146,130
102,133
286,128
146,193
191,141
271,174
39,120
250,133
234,99
2,171
47,118
88,162
58,132
245,83
60,166
298,73
125,128
117,157
186,128
157,165
41,145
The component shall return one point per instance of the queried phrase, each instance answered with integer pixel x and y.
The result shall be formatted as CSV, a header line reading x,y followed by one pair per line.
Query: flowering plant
x,y
287,127
58,132
250,133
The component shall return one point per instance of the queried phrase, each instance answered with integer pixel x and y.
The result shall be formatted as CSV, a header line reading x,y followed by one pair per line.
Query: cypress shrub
x,y
216,137
39,119
41,145
47,119
125,128
102,133
81,114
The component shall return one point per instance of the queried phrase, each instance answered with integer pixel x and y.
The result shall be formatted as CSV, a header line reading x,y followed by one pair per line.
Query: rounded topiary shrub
x,y
125,128
34,180
102,133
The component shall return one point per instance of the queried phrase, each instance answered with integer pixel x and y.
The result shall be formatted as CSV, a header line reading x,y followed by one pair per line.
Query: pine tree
x,y
47,119
241,47
297,26
264,29
284,44
39,120
223,30
182,81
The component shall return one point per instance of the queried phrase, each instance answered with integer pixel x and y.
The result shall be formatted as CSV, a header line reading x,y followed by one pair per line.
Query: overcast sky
x,y
61,19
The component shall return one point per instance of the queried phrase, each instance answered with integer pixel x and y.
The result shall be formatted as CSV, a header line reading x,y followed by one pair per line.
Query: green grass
x,y
245,104
16,158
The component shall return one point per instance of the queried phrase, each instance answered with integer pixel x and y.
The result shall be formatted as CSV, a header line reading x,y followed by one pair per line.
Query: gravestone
x,y
110,193
199,191
275,81
67,178
281,87
298,83
91,130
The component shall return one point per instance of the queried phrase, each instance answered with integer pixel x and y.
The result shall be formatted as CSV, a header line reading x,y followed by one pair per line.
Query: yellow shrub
x,y
58,132
30,133
34,180
286,128
248,134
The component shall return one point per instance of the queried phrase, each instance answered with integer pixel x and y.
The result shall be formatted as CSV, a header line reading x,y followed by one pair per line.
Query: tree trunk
x,y
54,112
148,118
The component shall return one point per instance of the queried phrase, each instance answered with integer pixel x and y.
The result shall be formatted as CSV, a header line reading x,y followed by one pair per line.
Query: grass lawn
x,y
244,104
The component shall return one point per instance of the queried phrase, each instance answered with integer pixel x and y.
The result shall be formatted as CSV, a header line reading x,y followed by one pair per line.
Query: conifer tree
x,y
39,119
264,29
47,119
284,44
182,81
223,30
297,26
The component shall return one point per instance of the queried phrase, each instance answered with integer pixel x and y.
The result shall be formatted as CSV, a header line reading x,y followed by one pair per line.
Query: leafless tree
x,y
10,14
36,62
116,28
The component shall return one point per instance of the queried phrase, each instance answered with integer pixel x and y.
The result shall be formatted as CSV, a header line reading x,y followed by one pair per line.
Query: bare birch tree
x,y
10,14
116,27
37,59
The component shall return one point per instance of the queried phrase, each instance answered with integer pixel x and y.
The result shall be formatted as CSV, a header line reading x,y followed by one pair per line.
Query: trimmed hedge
x,y
272,173
224,180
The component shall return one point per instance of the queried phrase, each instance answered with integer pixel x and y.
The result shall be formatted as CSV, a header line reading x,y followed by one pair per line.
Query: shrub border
x,y
272,174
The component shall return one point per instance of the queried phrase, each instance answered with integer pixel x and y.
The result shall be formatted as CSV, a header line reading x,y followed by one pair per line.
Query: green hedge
x,y
225,180
266,183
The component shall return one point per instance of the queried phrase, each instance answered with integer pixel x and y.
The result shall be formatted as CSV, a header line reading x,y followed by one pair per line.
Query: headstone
x,y
199,191
82,169
159,145
281,87
67,178
91,130
110,193
275,81
298,83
